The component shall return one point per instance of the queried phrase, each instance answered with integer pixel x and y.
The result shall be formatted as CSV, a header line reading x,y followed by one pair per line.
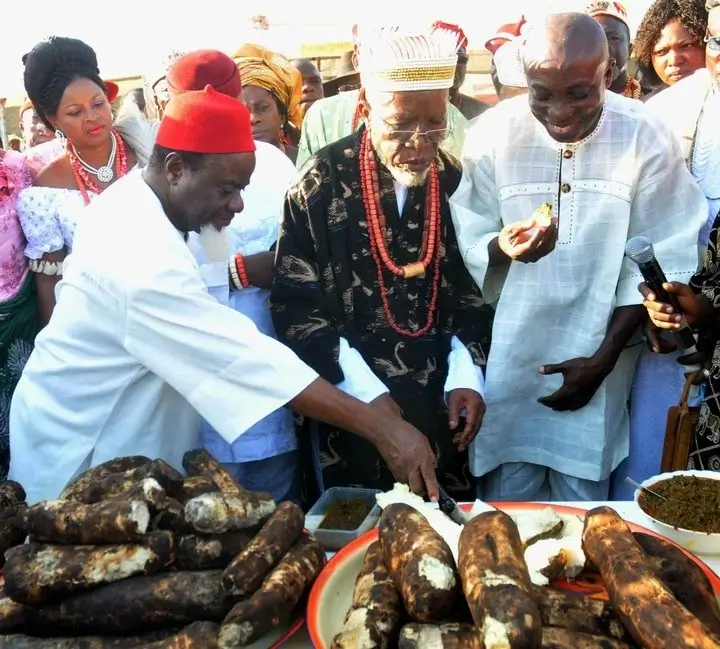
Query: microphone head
x,y
640,250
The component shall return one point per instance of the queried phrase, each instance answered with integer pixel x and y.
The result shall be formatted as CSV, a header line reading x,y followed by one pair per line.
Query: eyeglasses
x,y
713,42
435,135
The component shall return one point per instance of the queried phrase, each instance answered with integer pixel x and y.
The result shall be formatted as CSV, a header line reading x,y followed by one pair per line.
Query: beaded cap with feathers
x,y
397,60
51,66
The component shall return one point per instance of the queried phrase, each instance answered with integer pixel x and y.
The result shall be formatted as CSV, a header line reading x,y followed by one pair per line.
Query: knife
x,y
450,508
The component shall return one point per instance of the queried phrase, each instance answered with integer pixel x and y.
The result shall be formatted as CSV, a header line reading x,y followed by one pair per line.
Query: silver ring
x,y
706,373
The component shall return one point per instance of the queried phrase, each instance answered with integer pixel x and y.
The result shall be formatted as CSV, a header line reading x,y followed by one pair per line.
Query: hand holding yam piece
x,y
497,584
36,573
247,571
645,605
72,523
277,599
420,562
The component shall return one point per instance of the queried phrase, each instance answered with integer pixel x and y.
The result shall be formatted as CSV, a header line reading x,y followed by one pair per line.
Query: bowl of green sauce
x,y
690,515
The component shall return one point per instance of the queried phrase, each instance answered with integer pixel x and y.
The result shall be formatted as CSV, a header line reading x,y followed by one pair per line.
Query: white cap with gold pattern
x,y
392,60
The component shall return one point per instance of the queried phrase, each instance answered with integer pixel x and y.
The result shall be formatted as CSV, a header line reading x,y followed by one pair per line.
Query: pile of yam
x,y
415,591
135,554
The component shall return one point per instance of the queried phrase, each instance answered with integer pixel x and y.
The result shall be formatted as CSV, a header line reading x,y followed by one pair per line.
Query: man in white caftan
x,y
561,363
137,350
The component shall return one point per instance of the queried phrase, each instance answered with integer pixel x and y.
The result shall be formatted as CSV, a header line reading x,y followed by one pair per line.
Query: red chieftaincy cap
x,y
195,70
206,121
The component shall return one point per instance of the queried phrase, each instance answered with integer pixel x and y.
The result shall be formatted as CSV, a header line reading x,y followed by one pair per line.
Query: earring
x,y
60,137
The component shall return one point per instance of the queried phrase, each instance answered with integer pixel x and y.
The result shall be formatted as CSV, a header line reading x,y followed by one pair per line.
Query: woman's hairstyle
x,y
51,66
691,13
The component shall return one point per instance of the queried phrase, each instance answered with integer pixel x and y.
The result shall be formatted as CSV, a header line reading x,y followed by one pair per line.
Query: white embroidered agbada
x,y
627,178
137,351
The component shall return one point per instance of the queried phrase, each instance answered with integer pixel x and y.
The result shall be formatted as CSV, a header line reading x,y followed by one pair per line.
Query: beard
x,y
403,176
215,243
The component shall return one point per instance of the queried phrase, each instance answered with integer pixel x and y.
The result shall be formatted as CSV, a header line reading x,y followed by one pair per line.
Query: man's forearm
x,y
324,402
258,268
496,257
624,322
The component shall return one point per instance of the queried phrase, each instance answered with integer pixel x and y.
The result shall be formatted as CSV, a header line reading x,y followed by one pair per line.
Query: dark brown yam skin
x,y
249,568
101,471
86,642
274,604
684,578
196,552
113,484
36,573
196,486
572,611
171,517
199,635
11,494
490,545
642,601
12,529
72,523
140,604
375,599
564,639
407,540
14,616
452,636
199,462
216,513
148,491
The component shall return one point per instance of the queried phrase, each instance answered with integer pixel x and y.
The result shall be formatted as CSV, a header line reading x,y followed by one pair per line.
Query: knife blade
x,y
450,508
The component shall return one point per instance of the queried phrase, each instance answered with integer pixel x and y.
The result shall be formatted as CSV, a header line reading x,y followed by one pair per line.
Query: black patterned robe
x,y
326,287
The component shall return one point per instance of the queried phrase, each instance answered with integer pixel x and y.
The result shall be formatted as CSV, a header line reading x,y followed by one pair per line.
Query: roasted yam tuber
x,y
420,562
85,642
196,486
200,463
197,552
148,491
642,601
277,599
11,494
14,617
574,612
685,579
564,639
172,517
77,489
36,573
12,529
375,611
72,523
247,571
199,635
443,636
215,513
497,584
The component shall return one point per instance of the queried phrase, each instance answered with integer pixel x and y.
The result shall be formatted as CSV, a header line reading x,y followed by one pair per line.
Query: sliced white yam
x,y
480,507
536,525
545,558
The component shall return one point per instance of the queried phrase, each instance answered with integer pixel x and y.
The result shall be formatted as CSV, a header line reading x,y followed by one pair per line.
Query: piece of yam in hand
x,y
36,573
420,562
11,494
12,529
78,487
276,601
72,523
138,604
572,611
374,614
247,571
497,584
685,579
643,602
554,638
443,636
196,486
199,462
199,635
86,642
215,513
198,552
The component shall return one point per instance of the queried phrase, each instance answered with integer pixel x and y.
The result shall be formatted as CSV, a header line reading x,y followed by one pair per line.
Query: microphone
x,y
640,250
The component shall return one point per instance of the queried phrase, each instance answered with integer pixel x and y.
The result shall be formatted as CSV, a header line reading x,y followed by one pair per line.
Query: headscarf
x,y
272,72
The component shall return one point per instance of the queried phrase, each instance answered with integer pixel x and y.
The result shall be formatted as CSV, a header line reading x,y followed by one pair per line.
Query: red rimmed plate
x,y
331,595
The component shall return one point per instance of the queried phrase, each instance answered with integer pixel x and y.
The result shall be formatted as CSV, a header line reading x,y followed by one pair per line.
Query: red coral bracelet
x,y
240,267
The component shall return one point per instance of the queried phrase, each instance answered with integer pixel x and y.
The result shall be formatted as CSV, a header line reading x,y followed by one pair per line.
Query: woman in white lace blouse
x,y
63,82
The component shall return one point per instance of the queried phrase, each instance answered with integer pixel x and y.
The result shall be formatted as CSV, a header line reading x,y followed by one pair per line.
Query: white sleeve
x,y
462,371
215,357
360,381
